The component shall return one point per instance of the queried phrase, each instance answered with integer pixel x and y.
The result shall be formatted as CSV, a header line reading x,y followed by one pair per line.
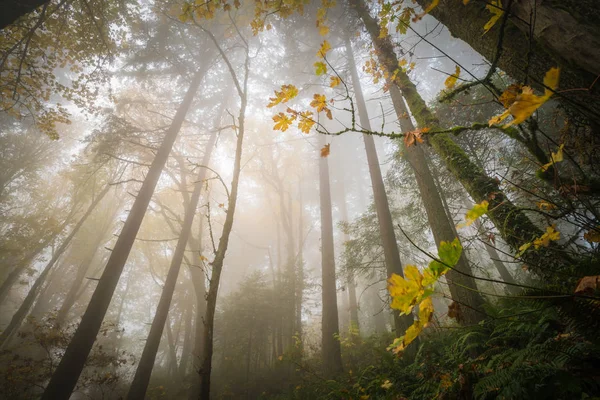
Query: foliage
x,y
30,361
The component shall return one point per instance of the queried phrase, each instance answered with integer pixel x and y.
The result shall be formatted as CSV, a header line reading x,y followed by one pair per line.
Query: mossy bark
x,y
513,224
525,64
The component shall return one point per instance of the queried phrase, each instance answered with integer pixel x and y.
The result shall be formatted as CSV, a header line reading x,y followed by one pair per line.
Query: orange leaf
x,y
325,150
411,138
588,284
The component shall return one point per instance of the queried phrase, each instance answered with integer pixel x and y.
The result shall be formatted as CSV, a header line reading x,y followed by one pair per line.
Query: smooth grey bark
x,y
330,347
393,263
21,313
67,373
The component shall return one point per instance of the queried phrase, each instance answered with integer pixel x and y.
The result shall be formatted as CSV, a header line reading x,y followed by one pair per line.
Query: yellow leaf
x,y
335,81
551,234
402,63
509,96
282,121
477,211
306,122
325,47
452,79
320,68
523,249
425,311
286,93
554,158
323,30
387,384
319,102
495,7
525,103
325,150
544,205
499,118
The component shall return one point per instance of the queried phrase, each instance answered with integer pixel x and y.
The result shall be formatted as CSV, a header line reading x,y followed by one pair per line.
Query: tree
x,y
65,377
332,356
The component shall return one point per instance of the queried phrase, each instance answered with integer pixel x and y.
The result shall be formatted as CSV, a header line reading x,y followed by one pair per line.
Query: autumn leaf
x,y
325,150
509,96
588,285
387,384
320,68
286,93
554,158
544,205
323,30
550,235
452,79
306,122
526,102
477,211
325,47
320,103
495,7
335,81
593,235
412,137
282,121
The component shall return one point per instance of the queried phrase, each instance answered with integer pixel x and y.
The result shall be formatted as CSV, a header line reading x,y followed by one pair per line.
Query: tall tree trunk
x,y
141,379
462,287
350,283
187,343
217,264
21,313
67,373
514,226
332,356
300,264
83,268
393,263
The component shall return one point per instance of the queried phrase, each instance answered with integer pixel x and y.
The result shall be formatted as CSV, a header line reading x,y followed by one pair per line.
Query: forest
x,y
299,200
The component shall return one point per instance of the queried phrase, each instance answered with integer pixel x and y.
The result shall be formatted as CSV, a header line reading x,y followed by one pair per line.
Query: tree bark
x,y
67,373
21,313
217,264
141,379
330,347
11,10
462,287
393,263
514,226
561,27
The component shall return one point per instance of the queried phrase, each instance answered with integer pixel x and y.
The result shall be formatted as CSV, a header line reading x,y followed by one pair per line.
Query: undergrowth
x,y
524,350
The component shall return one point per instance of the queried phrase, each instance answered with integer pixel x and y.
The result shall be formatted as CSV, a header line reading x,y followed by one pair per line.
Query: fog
x,y
218,200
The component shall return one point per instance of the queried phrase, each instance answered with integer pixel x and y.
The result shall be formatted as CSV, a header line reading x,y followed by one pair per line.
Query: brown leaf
x,y
325,150
454,311
588,285
411,138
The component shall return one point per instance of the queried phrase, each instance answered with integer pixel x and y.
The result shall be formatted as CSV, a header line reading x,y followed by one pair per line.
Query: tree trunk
x,y
393,263
462,287
217,264
17,319
187,343
350,283
332,356
67,373
83,268
514,226
11,10
144,370
561,27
